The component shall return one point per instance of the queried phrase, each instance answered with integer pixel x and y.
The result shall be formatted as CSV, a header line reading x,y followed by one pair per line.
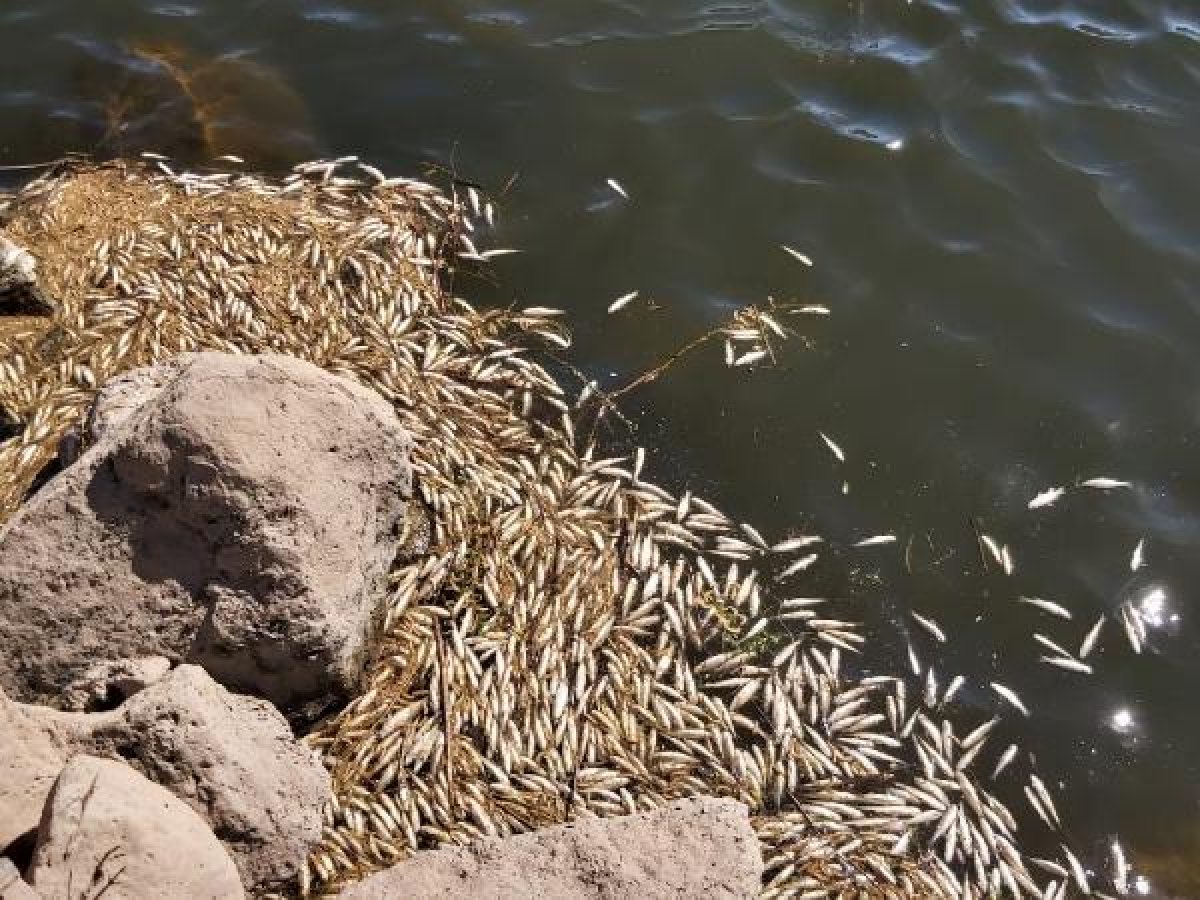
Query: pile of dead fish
x,y
576,638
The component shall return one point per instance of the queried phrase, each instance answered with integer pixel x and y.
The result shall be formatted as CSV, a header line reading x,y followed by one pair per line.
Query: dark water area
x,y
1002,204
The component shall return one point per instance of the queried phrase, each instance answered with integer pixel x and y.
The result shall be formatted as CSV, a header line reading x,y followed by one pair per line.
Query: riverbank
x,y
573,639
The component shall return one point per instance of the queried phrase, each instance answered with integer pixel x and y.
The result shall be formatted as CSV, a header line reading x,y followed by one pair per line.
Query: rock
x,y
243,518
12,886
701,847
109,684
122,396
107,831
232,759
19,292
33,749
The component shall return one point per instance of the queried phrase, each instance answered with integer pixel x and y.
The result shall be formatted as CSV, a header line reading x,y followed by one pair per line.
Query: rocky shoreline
x,y
279,494
258,448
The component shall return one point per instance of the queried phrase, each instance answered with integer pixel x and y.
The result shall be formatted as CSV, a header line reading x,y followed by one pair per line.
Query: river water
x,y
1001,204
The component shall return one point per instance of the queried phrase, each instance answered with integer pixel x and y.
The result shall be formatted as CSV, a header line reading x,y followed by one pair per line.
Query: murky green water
x,y
1002,204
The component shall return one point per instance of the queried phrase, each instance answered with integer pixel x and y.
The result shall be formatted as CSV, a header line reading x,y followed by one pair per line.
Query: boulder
x,y
12,886
107,831
232,759
701,847
238,512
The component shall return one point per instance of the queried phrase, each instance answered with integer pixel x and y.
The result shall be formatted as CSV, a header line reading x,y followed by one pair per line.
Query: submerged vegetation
x,y
575,639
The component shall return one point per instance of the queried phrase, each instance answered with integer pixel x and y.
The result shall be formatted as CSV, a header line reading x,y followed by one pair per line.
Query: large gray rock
x,y
238,512
232,759
107,831
701,848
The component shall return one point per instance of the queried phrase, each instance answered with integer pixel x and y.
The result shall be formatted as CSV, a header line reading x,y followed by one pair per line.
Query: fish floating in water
x,y
1105,484
1048,497
622,301
833,448
1047,606
616,186
875,540
1010,696
931,626
597,644
796,254
1138,559
1090,639
796,543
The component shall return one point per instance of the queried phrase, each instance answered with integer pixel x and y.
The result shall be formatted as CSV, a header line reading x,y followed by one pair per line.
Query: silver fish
x,y
929,625
1046,606
833,448
1139,556
1048,497
1010,695
1069,663
1105,484
616,186
798,255
749,359
622,301
875,540
1089,640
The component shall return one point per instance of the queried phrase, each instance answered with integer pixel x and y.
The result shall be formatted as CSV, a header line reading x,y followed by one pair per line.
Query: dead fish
x,y
1006,560
798,255
1049,644
833,448
1089,640
1120,868
1005,760
1069,663
1047,606
502,251
749,359
1010,695
796,543
1105,484
799,565
913,662
616,186
875,540
622,301
1077,871
956,684
1048,497
814,309
993,548
929,625
1139,556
